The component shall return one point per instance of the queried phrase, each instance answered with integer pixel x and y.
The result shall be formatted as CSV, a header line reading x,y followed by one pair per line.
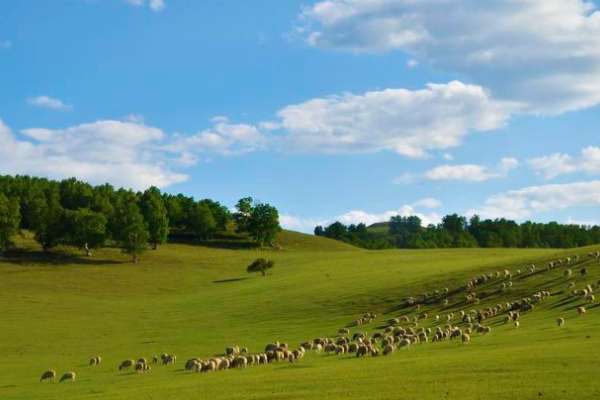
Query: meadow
x,y
194,300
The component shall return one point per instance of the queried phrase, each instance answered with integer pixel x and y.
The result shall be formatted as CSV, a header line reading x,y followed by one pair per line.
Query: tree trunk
x,y
135,257
88,252
154,246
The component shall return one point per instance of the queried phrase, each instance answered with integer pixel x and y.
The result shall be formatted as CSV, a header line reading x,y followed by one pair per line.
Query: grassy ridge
x,y
193,301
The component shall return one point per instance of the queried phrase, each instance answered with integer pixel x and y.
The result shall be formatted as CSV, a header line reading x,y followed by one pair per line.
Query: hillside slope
x,y
193,301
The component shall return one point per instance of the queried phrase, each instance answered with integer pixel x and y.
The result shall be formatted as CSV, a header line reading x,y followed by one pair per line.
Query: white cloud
x,y
411,123
224,138
121,153
157,5
544,54
6,44
462,172
571,221
523,203
154,5
428,203
448,156
560,164
358,217
412,63
49,102
135,118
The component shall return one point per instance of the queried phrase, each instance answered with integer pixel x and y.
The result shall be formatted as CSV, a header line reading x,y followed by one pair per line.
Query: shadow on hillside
x,y
24,257
230,280
223,241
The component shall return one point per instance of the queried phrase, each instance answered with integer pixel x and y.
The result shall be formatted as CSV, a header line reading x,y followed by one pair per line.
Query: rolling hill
x,y
57,312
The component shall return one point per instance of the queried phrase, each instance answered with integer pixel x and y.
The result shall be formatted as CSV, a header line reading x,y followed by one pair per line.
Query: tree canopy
x,y
456,231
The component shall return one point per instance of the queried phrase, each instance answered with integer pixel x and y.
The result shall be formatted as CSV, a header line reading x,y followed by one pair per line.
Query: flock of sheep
x,y
393,336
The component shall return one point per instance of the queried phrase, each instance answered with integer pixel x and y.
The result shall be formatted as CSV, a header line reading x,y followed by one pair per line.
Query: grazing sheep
x,y
155,360
465,338
560,322
517,324
362,351
244,350
568,272
581,310
590,298
94,361
583,271
404,343
344,332
126,364
69,376
143,361
141,367
50,374
169,360
389,349
240,362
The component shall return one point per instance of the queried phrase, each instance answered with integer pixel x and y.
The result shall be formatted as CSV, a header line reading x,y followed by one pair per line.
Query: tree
x,y
201,220
243,213
130,229
263,225
49,221
261,265
155,215
319,231
10,219
87,229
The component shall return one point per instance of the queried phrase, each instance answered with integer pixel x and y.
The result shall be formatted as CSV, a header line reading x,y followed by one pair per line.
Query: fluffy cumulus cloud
x,y
411,123
359,216
471,172
523,203
223,138
543,54
49,102
121,153
461,172
560,164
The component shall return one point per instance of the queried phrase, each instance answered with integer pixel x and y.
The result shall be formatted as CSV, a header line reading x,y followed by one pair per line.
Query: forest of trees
x,y
456,231
74,213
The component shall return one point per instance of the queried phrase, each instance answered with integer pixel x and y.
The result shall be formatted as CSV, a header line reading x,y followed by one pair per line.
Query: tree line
x,y
456,231
74,213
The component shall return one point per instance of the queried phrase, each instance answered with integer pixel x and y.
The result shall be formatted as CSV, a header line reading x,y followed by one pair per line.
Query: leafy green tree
x,y
87,229
261,265
49,223
202,221
130,229
243,213
319,231
155,214
263,225
10,219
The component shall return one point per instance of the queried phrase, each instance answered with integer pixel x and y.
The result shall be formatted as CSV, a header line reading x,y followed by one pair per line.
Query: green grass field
x,y
194,301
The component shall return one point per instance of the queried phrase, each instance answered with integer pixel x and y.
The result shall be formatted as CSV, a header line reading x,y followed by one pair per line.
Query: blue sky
x,y
351,110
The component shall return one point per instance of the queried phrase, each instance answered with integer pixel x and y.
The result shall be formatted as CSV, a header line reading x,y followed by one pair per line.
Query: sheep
x,y
95,361
155,360
517,324
68,376
465,338
567,272
143,361
362,351
404,343
590,298
141,367
240,362
126,364
190,364
583,271
170,360
244,350
232,350
50,374
389,349
560,322
344,332
581,310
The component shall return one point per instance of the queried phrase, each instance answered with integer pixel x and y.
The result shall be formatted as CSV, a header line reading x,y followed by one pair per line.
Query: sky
x,y
334,110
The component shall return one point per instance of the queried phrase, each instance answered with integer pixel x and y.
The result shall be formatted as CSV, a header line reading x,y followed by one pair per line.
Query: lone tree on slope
x,y
261,265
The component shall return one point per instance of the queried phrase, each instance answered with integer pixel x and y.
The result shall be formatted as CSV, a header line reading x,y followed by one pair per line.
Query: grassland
x,y
194,300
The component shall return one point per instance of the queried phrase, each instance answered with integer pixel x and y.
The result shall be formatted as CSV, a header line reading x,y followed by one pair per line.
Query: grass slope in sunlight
x,y
194,301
